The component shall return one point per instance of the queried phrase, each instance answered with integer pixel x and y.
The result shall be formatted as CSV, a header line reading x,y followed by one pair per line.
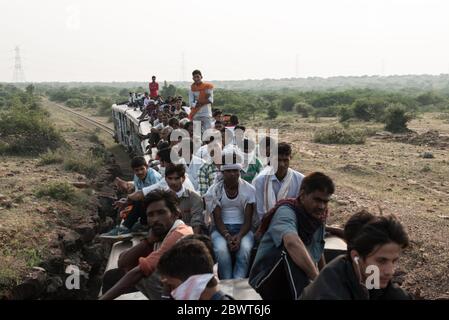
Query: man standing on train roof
x,y
201,97
154,88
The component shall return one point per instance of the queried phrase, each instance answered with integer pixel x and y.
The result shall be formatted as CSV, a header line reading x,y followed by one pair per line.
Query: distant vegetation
x,y
25,128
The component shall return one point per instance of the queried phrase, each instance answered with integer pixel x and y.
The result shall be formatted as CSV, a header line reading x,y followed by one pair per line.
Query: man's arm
x,y
136,196
130,258
322,262
245,227
197,214
336,231
258,184
248,219
130,279
299,254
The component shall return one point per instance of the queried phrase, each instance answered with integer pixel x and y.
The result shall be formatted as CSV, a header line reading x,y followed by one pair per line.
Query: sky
x,y
99,40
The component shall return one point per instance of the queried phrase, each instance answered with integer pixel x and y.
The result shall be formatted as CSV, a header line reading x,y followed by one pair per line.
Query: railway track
x,y
87,119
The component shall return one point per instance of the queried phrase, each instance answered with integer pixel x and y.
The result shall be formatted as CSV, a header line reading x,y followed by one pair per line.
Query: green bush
x,y
272,112
367,109
287,103
339,135
57,190
51,157
345,113
25,131
87,164
396,118
74,103
304,109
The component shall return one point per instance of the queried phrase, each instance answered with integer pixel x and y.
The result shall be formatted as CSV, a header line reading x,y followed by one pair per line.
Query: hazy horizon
x,y
98,41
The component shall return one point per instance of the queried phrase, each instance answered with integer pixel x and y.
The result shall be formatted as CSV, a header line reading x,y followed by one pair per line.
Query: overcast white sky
x,y
98,40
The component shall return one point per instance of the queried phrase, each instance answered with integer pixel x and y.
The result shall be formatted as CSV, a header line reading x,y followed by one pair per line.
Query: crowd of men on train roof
x,y
203,216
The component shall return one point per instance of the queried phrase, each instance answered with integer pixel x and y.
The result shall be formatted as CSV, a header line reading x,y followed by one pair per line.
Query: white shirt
x,y
193,170
233,210
259,183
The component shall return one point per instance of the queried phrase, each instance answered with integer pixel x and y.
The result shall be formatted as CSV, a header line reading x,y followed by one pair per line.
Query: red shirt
x,y
154,87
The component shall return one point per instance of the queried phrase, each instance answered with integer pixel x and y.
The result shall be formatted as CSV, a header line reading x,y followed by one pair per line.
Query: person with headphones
x,y
375,244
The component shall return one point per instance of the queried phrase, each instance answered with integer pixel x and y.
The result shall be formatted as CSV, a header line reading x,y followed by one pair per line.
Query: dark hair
x,y
138,162
173,121
196,72
284,149
164,154
175,168
219,122
239,126
204,239
170,198
185,259
217,112
234,120
364,232
182,115
153,77
161,145
317,181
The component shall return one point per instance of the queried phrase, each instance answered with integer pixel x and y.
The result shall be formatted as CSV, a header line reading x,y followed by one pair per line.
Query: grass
x,y
51,157
87,164
340,135
58,191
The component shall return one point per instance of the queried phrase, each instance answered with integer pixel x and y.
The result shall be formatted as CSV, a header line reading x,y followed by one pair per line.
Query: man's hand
x,y
121,204
235,240
122,185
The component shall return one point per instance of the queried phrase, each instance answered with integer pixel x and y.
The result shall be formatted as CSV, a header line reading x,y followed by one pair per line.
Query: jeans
x,y
224,257
206,122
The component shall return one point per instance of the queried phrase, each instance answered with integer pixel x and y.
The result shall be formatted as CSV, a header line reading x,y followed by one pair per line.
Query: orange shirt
x,y
148,264
200,91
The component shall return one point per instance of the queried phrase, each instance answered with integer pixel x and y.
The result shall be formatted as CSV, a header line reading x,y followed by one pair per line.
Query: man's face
x,y
178,104
154,79
141,172
315,203
231,177
219,126
174,181
283,163
197,78
385,258
164,119
160,218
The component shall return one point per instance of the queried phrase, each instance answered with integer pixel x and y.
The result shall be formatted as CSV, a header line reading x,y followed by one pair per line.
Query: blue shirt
x,y
151,178
284,221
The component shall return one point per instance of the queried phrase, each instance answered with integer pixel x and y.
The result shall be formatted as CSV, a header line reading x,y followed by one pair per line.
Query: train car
x,y
127,129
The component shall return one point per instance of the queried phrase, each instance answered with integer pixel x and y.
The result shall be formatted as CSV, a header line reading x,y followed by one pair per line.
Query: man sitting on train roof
x,y
292,238
143,177
187,272
190,202
230,202
373,241
137,266
178,107
273,185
